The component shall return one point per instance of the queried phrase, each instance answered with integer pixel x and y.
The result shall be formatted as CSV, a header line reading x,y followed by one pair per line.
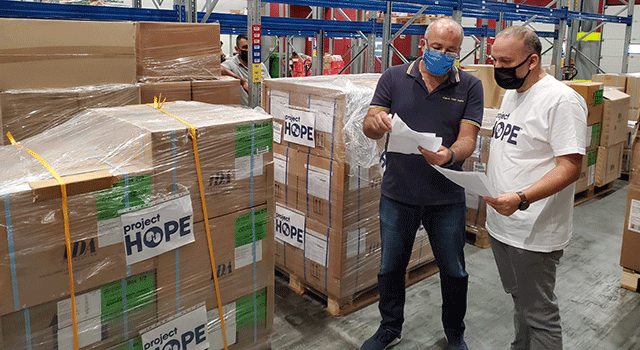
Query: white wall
x,y
613,43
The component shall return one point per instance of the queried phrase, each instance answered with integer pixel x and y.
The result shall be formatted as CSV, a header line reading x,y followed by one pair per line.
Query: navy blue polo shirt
x,y
409,178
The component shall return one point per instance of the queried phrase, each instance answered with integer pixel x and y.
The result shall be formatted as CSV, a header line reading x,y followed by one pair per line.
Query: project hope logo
x,y
503,130
152,231
187,332
299,127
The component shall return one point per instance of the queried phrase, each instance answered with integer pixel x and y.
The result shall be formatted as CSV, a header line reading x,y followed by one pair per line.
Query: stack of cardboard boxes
x,y
607,132
51,70
629,257
139,247
326,223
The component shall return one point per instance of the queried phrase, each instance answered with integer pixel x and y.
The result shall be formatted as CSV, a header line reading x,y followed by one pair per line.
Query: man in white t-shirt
x,y
536,151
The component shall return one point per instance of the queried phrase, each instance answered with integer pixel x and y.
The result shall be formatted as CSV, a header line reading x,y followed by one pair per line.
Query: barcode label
x,y
634,216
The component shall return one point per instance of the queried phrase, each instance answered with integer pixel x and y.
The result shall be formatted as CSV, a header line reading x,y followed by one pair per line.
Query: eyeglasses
x,y
454,55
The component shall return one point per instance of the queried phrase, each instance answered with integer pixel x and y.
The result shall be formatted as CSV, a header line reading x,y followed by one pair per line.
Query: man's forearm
x,y
564,174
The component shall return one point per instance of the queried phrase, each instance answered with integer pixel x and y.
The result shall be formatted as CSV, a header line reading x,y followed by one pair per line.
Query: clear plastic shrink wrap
x,y
28,112
141,263
327,185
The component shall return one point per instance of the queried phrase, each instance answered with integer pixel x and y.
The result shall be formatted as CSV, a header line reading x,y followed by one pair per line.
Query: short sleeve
x,y
474,109
382,95
568,126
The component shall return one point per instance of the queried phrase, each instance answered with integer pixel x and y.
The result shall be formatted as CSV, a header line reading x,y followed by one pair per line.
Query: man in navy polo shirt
x,y
430,95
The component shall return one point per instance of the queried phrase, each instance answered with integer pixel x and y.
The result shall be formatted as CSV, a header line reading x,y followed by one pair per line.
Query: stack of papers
x,y
403,139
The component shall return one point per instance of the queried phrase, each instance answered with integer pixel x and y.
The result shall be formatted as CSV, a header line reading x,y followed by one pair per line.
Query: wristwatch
x,y
524,202
451,161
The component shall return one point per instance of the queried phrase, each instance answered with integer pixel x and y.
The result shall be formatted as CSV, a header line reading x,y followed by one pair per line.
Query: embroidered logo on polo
x,y
502,130
447,98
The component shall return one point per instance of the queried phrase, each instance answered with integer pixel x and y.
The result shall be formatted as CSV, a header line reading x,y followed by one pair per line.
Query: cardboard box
x,y
108,315
34,253
177,51
331,102
614,118
171,91
233,245
336,194
52,53
285,190
222,91
235,150
633,89
28,112
633,114
629,256
587,178
608,164
492,92
592,92
593,136
617,80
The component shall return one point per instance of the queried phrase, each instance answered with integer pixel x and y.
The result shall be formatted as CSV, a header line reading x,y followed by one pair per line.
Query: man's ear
x,y
534,61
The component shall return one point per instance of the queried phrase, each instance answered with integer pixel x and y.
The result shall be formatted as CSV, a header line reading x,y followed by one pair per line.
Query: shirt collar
x,y
414,71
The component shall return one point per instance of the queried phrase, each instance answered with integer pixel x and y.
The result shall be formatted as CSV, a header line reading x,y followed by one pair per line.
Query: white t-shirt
x,y
532,128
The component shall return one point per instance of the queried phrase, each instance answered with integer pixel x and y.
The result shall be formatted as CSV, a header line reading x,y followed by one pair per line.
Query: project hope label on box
x,y
186,332
299,127
290,226
157,229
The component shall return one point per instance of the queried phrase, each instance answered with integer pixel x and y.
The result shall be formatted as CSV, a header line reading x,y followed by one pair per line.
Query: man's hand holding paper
x,y
403,139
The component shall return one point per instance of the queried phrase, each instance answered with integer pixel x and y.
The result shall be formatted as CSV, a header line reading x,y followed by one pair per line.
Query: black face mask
x,y
244,55
507,78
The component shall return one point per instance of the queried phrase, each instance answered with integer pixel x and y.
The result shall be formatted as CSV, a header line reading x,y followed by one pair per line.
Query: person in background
x,y
223,57
431,95
535,157
238,67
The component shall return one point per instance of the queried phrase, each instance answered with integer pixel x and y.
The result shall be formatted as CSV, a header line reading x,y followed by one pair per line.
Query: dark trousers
x,y
445,226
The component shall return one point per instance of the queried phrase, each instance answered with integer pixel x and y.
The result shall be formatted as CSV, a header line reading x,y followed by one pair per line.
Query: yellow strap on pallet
x,y
194,138
67,235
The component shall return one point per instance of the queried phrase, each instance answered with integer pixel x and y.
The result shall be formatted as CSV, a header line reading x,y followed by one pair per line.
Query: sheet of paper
x,y
403,139
472,181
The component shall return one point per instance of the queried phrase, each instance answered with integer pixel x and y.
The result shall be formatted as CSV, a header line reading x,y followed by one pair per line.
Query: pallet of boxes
x,y
607,135
327,190
129,244
50,70
139,250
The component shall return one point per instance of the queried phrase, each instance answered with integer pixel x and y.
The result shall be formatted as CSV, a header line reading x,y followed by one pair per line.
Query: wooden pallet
x,y
478,236
630,280
593,192
357,301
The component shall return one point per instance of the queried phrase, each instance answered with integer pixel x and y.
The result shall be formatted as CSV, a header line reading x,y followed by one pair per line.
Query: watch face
x,y
524,205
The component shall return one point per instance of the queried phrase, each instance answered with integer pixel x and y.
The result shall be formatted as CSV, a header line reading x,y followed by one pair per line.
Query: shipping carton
x,y
221,91
285,160
235,151
186,278
177,51
325,104
629,256
108,315
169,91
592,92
492,92
587,178
608,164
633,89
614,118
52,53
617,80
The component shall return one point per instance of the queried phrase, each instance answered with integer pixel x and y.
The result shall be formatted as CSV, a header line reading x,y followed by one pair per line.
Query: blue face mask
x,y
437,63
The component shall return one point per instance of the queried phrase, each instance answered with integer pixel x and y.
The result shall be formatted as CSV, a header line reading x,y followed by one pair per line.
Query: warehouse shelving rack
x,y
557,13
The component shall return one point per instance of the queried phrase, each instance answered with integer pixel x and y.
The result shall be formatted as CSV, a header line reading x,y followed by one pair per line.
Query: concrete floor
x,y
596,312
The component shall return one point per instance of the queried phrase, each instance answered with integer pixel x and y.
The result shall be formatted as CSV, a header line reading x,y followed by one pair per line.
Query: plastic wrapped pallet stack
x,y
327,185
142,272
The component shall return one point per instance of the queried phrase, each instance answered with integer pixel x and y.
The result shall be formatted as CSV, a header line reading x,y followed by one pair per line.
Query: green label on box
x,y
597,97
262,138
595,134
245,227
131,192
245,309
133,344
591,158
139,291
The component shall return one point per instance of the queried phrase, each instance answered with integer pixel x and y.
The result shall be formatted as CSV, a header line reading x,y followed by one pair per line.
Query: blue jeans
x,y
445,226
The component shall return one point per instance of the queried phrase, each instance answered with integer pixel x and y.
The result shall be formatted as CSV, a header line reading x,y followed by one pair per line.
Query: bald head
x,y
528,37
446,27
